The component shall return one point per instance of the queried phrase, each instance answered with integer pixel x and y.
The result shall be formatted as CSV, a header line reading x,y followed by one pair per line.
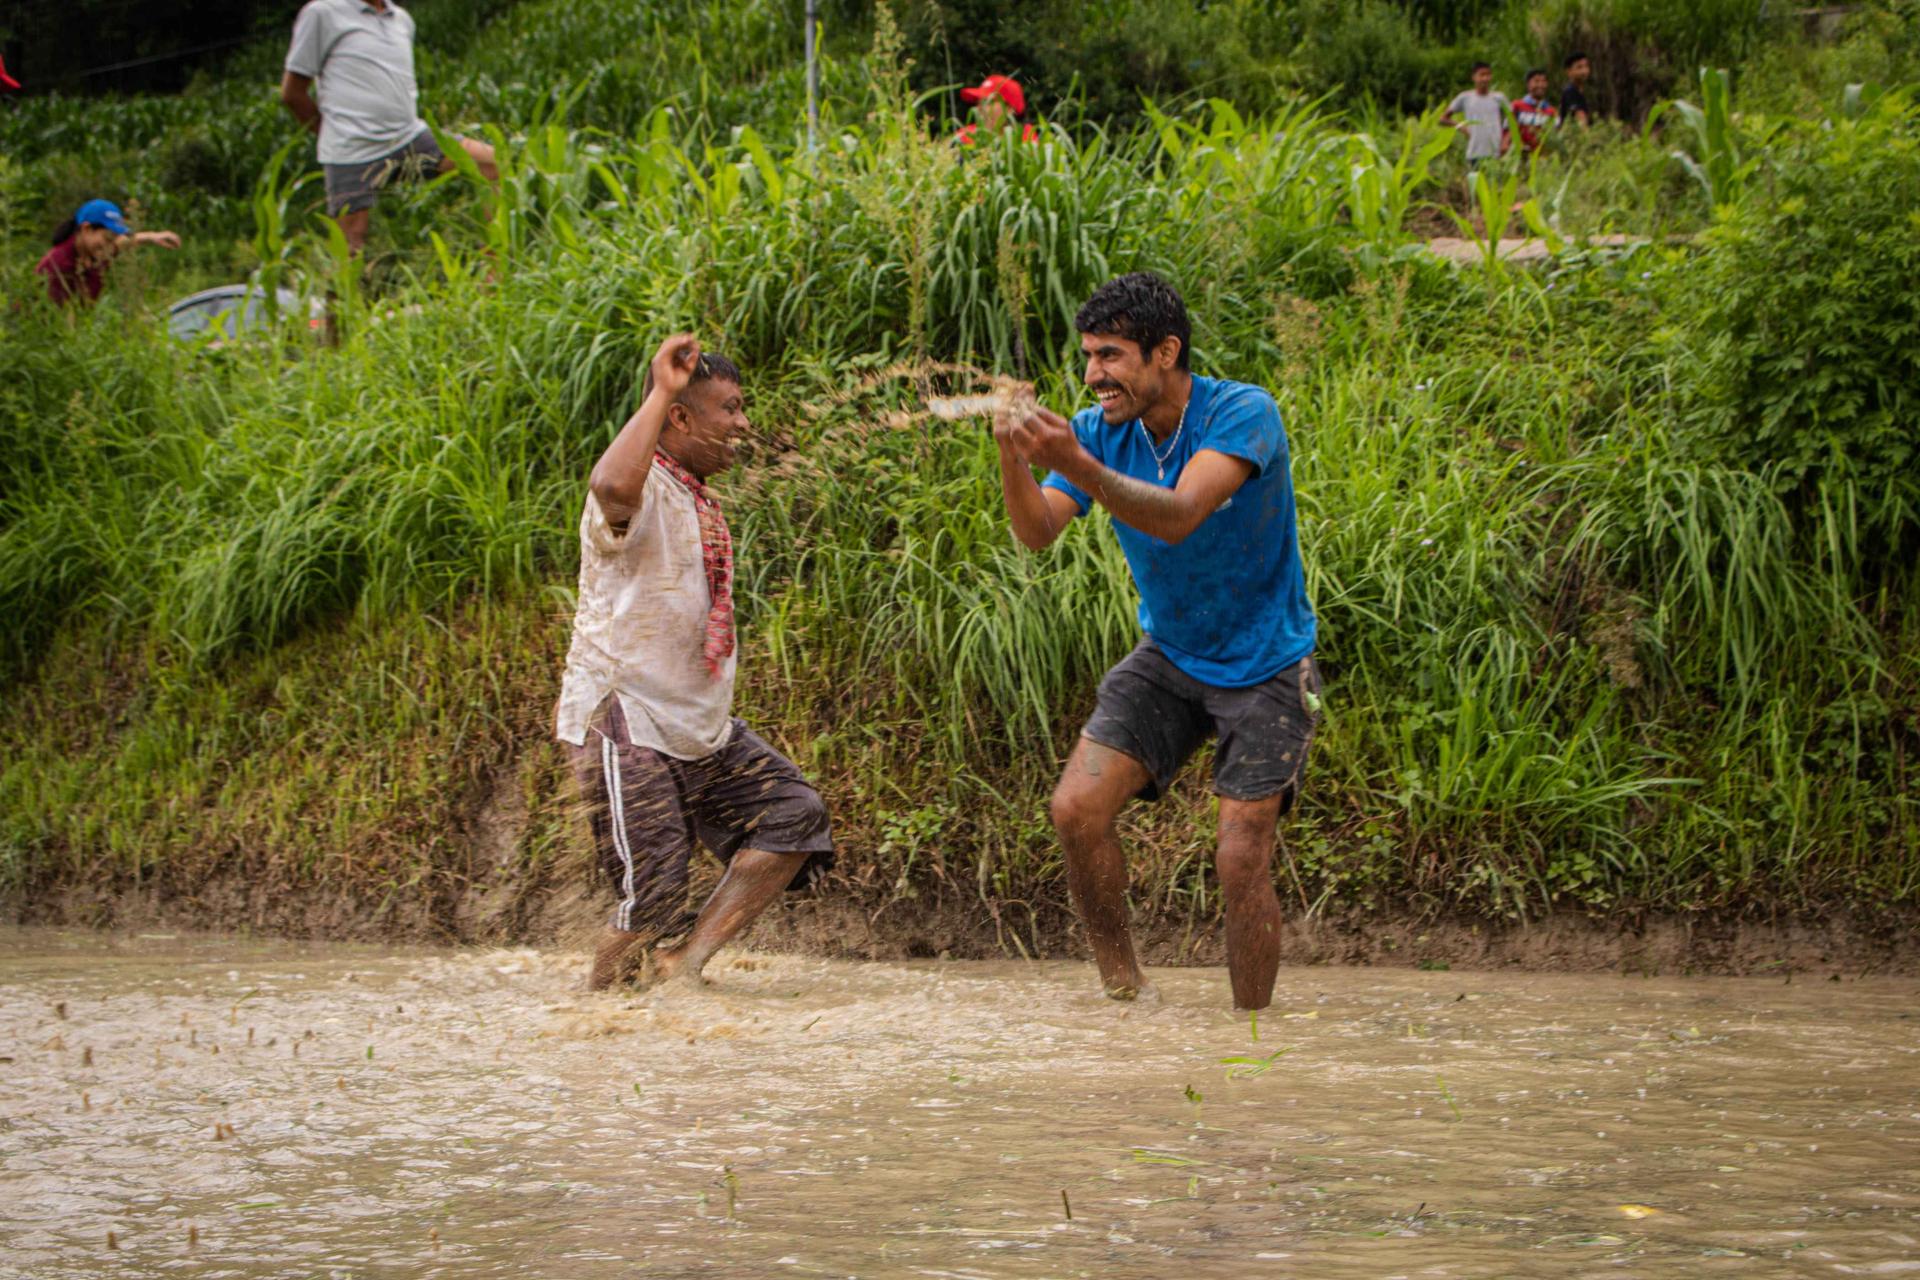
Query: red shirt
x,y
66,278
965,137
1535,116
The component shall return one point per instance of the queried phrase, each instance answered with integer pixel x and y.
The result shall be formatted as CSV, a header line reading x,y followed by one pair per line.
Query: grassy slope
x,y
296,617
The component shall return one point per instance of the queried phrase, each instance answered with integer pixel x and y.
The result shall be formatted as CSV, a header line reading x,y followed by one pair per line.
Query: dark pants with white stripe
x,y
648,809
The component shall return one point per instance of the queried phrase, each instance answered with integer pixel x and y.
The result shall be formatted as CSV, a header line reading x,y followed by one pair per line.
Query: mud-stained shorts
x,y
1158,714
647,809
353,187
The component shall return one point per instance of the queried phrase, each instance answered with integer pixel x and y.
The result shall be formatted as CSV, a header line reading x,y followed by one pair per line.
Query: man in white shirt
x,y
1484,113
647,700
367,116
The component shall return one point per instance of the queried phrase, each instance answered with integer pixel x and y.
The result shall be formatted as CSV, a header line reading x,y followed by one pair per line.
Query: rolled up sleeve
x,y
309,46
1248,428
597,533
1081,498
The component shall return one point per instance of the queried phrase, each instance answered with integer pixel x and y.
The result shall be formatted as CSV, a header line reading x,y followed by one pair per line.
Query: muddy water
x,y
215,1108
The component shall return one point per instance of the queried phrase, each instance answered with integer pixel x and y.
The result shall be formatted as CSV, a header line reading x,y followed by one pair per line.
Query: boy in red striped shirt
x,y
1535,112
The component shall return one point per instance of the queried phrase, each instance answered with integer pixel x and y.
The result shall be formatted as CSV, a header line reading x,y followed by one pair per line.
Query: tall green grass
x,y
1571,664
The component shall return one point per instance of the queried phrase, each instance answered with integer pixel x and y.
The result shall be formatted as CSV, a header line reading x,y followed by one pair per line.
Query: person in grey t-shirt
x,y
1485,117
361,53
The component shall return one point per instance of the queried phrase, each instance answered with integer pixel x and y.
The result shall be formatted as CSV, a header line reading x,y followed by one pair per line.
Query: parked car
x,y
236,308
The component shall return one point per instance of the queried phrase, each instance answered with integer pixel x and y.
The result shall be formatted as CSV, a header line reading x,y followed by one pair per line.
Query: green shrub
x,y
1103,59
1641,50
202,160
1806,311
1374,50
1565,665
1450,19
1876,44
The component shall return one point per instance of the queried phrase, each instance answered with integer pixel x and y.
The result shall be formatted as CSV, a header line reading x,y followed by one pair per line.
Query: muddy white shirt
x,y
640,629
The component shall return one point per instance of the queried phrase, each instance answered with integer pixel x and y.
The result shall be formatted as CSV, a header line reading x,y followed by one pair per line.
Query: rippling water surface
x,y
209,1107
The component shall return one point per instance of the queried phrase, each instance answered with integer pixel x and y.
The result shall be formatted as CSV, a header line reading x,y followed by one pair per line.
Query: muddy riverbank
x,y
847,919
192,1105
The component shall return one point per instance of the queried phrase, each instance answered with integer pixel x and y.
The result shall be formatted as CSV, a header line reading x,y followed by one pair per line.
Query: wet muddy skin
x,y
209,1107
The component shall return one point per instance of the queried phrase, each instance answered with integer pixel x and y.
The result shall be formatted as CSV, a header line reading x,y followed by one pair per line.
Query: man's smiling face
x,y
708,422
1125,381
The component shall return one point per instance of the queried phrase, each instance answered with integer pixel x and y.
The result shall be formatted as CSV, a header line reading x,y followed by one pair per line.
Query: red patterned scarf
x,y
716,552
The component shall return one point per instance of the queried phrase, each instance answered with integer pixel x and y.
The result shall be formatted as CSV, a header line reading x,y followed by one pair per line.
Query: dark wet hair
x,y
1140,307
69,229
1532,72
710,367
1567,62
1483,66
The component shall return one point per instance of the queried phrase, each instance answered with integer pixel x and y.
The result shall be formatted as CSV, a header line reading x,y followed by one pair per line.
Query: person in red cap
x,y
997,101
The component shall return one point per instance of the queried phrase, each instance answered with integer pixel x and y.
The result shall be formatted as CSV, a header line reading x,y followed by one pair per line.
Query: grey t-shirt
x,y
1486,116
362,59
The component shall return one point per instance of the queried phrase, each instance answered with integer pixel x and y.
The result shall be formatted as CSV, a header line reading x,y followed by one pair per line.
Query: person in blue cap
x,y
86,245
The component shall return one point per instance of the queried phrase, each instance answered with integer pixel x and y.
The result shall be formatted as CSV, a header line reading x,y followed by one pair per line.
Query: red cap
x,y
7,81
1005,88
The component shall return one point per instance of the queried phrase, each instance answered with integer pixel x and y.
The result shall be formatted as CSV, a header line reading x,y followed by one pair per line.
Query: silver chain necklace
x,y
1159,458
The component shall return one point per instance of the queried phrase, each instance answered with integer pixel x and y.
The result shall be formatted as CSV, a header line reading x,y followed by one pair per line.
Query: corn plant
x,y
1716,164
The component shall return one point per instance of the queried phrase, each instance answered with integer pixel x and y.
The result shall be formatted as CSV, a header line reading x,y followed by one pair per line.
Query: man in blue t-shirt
x,y
1194,473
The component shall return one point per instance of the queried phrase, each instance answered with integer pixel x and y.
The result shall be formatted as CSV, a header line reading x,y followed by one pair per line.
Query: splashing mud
x,y
283,1110
1006,394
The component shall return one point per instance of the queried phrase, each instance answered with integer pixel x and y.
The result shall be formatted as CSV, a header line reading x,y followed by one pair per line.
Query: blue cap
x,y
102,213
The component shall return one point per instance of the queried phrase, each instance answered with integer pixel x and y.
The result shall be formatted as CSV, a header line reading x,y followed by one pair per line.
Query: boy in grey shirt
x,y
1484,113
361,53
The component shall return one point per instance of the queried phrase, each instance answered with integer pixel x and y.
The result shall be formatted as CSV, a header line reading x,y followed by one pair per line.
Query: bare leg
x,y
1245,864
754,878
490,170
1098,781
482,155
354,225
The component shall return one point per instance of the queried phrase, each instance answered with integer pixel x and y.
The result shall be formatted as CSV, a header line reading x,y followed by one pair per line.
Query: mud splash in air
x,y
207,1107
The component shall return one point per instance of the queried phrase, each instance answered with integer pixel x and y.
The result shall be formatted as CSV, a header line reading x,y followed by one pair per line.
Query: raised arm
x,y
1038,515
296,95
620,477
1046,438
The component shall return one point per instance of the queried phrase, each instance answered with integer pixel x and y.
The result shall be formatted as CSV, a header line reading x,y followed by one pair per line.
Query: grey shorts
x,y
648,809
1158,714
352,187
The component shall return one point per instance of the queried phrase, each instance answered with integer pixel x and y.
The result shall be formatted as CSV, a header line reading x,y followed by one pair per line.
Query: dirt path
x,y
1527,249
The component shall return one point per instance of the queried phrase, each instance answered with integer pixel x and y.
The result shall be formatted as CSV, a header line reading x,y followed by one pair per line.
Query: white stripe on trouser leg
x,y
617,819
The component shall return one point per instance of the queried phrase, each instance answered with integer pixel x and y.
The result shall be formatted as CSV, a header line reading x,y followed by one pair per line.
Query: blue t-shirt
x,y
1228,606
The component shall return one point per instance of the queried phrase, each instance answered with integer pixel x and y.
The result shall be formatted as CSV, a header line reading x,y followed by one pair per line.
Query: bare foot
x,y
624,960
671,966
618,955
1142,993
